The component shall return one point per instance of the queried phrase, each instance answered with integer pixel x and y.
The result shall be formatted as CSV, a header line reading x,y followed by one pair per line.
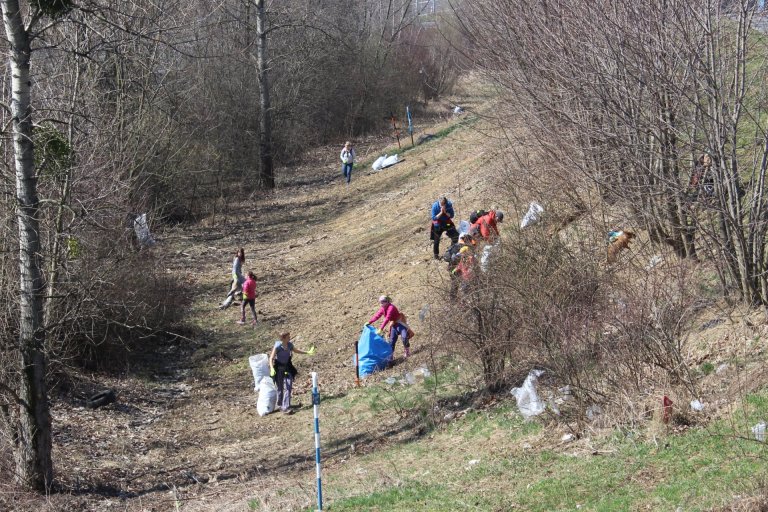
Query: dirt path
x,y
323,251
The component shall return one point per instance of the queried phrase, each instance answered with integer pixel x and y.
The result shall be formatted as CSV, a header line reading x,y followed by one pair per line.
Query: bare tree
x,y
30,420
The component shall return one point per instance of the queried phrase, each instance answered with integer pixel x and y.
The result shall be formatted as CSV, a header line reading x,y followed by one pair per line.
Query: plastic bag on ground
x,y
377,164
260,369
390,160
487,251
759,431
533,215
464,227
141,227
373,351
528,402
267,397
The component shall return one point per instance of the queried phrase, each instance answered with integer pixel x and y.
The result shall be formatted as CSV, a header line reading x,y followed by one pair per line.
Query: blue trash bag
x,y
373,350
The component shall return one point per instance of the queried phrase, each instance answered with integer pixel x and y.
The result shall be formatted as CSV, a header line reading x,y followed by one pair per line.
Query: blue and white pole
x,y
316,408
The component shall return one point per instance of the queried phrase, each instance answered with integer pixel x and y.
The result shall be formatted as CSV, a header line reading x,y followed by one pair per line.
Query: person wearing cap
x,y
486,225
282,371
398,326
347,160
442,222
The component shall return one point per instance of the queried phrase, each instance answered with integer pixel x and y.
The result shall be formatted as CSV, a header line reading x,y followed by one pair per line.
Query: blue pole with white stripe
x,y
316,408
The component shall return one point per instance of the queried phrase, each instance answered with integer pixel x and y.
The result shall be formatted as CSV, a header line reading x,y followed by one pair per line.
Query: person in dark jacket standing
x,y
442,222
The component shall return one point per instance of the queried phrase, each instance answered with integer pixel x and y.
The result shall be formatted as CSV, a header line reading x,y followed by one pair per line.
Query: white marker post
x,y
316,408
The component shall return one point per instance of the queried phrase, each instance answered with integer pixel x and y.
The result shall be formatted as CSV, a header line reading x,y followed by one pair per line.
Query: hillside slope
x,y
186,429
185,435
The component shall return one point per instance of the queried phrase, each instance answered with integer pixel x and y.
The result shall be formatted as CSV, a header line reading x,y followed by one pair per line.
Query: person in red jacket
x,y
397,326
249,297
486,225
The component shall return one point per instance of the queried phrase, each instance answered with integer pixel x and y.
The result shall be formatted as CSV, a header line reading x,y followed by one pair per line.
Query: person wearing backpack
x,y
486,225
442,222
347,161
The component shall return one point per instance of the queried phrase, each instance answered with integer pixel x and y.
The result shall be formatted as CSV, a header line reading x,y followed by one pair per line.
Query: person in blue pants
x,y
347,161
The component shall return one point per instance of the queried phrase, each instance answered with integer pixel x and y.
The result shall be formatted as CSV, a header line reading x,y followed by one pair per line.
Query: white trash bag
x,y
260,369
267,397
532,216
464,227
528,402
141,227
377,164
390,160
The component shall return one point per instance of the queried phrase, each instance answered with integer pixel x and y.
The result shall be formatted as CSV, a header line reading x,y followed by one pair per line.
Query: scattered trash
x,y
474,462
384,161
759,431
567,438
721,368
528,402
654,261
666,407
487,251
377,163
712,323
259,368
422,371
141,227
425,138
100,399
423,313
267,400
410,379
532,216
390,380
593,411
458,110
696,405
464,227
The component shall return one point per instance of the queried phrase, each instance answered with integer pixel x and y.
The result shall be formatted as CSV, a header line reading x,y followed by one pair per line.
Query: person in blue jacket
x,y
442,222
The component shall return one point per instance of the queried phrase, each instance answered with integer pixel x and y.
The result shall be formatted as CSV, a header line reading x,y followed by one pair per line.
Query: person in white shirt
x,y
347,160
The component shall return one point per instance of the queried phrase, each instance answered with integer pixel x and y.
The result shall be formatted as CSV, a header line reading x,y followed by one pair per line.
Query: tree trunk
x,y
267,174
32,421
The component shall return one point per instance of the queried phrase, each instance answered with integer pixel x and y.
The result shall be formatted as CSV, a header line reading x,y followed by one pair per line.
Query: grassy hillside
x,y
186,436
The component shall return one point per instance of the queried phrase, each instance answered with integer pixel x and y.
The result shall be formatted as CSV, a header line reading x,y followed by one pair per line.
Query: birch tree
x,y
29,414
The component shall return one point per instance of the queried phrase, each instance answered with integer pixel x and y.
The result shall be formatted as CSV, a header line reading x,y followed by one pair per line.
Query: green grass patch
x,y
411,496
486,461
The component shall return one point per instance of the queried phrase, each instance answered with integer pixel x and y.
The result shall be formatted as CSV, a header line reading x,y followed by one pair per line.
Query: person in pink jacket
x,y
249,297
393,319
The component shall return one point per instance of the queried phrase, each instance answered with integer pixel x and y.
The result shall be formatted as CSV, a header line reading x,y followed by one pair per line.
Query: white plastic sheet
x,y
267,397
464,227
488,250
528,402
260,369
532,216
390,160
378,163
141,227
